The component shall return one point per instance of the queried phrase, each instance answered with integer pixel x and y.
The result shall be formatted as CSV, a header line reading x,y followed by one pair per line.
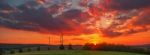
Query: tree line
x,y
4,51
21,50
115,47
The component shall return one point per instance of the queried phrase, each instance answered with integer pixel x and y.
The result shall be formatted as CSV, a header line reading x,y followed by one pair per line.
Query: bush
x,y
20,50
49,48
70,47
87,46
29,49
12,51
112,47
1,52
39,48
61,47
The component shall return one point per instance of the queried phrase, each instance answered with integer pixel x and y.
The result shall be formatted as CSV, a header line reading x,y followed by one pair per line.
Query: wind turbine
x,y
61,47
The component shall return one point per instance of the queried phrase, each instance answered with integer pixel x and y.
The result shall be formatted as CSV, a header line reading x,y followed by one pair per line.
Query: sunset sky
x,y
80,21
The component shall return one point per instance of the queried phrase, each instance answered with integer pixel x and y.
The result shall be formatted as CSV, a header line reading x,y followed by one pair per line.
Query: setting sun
x,y
95,39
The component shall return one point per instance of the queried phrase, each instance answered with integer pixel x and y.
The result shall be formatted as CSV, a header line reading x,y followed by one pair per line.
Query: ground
x,y
76,52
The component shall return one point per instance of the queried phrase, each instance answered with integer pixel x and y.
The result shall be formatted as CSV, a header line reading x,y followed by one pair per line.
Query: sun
x,y
95,39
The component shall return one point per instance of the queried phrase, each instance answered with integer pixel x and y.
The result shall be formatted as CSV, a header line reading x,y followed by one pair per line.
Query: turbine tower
x,y
62,39
61,47
49,40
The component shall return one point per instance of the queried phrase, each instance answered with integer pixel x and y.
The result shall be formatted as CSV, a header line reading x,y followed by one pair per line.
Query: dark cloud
x,y
5,9
33,16
76,14
143,18
132,17
40,19
5,6
133,24
127,4
110,33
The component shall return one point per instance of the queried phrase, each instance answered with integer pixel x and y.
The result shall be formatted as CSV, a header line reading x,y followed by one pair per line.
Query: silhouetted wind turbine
x,y
49,40
61,39
61,42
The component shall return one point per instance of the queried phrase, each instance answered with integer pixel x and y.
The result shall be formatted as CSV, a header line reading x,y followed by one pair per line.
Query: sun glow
x,y
95,39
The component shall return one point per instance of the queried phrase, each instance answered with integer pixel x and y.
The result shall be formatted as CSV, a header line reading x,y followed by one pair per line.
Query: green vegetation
x,y
76,52
113,47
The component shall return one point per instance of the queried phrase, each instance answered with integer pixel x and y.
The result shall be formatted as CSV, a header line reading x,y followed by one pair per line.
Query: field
x,y
76,52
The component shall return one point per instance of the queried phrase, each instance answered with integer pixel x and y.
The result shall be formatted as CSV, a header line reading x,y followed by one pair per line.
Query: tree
x,y
70,47
29,49
87,46
49,48
61,47
20,50
1,52
38,48
12,51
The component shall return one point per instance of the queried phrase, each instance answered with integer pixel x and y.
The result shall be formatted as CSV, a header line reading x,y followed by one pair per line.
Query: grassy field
x,y
76,52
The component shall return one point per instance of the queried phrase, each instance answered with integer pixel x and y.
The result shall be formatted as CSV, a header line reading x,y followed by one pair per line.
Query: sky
x,y
80,21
